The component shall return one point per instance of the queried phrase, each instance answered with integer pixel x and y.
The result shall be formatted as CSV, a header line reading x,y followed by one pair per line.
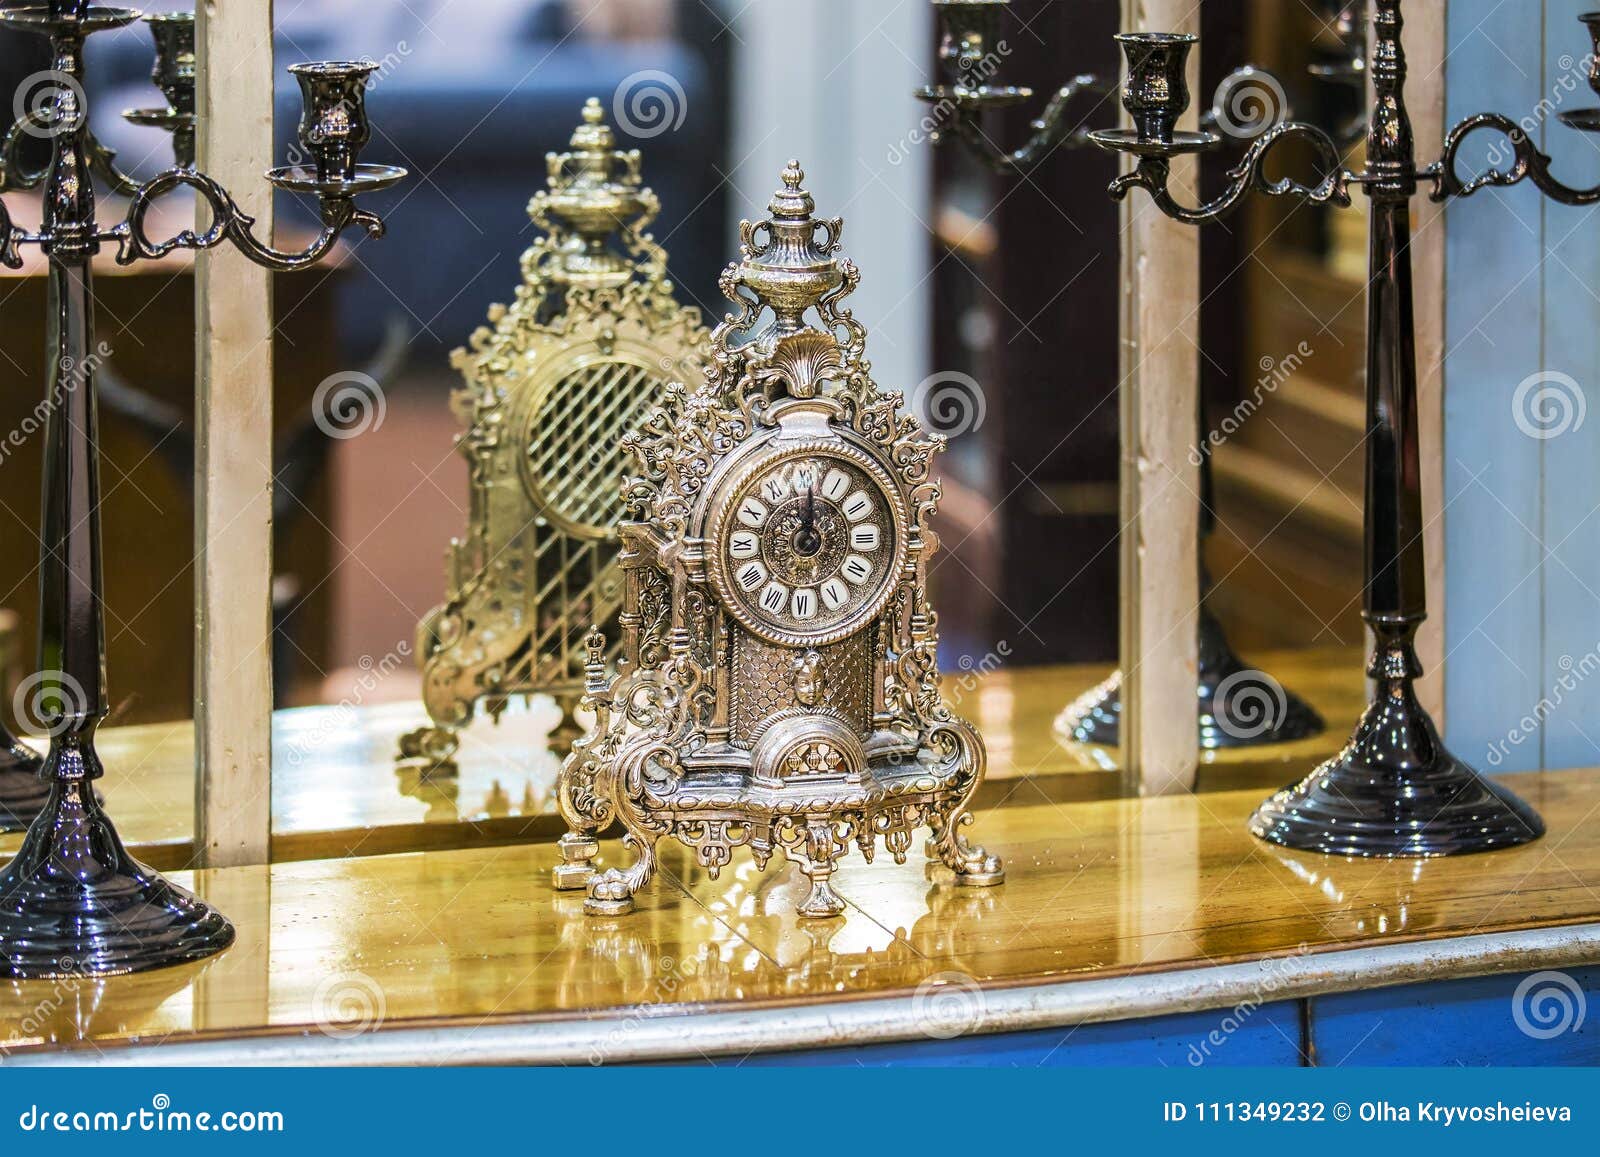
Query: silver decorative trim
x,y
739,1031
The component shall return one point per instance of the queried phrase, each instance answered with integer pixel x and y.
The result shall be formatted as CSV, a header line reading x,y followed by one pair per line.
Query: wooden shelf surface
x,y
337,790
1141,905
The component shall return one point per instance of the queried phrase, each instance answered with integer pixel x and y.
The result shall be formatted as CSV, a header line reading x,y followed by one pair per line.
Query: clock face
x,y
809,546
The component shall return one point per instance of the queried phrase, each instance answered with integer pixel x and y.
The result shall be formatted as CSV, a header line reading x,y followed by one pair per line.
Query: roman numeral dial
x,y
810,546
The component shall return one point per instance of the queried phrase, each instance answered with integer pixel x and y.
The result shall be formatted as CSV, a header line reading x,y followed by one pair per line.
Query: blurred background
x,y
1003,289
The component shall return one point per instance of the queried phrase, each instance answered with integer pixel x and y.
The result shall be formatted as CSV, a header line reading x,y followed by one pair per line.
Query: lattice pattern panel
x,y
763,681
575,459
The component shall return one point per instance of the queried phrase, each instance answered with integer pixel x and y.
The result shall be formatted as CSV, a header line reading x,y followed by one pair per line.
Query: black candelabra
x,y
1394,790
1236,705
74,901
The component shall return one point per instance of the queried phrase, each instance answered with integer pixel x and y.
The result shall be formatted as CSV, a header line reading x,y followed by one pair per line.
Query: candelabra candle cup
x,y
174,74
970,28
1157,91
333,121
174,69
1591,21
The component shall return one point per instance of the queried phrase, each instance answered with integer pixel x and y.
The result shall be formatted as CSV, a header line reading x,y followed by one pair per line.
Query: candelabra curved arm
x,y
1531,164
228,223
1155,166
10,238
34,124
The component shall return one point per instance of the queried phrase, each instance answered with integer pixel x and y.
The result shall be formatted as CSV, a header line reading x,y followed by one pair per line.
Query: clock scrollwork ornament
x,y
777,688
551,386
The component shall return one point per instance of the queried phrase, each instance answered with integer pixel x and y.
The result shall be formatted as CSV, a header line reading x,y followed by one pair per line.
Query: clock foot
x,y
609,895
611,892
823,903
434,744
576,868
985,879
620,907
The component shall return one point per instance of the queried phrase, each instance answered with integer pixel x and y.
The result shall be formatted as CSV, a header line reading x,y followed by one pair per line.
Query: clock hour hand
x,y
808,541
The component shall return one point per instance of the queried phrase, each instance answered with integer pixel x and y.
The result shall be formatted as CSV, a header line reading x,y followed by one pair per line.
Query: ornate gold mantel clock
x,y
778,687
551,387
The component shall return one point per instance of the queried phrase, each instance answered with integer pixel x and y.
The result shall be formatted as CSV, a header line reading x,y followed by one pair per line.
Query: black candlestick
x,y
1235,705
74,901
1394,790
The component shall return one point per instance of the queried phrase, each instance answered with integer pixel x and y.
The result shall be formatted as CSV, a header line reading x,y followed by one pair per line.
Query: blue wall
x,y
1522,452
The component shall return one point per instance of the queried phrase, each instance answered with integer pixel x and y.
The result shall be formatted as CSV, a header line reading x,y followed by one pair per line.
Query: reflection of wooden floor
x,y
336,790
1168,904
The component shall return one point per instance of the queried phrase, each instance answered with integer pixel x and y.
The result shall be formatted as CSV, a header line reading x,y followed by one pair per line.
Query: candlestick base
x,y
75,903
1238,706
1395,792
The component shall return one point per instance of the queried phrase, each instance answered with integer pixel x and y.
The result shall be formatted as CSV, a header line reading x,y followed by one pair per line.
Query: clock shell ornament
x,y
551,387
777,687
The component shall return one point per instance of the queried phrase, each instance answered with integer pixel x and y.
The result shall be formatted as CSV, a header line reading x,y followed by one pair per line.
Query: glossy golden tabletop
x,y
336,790
475,939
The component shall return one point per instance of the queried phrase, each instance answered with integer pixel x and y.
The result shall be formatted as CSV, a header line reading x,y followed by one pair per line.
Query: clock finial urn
x,y
778,688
